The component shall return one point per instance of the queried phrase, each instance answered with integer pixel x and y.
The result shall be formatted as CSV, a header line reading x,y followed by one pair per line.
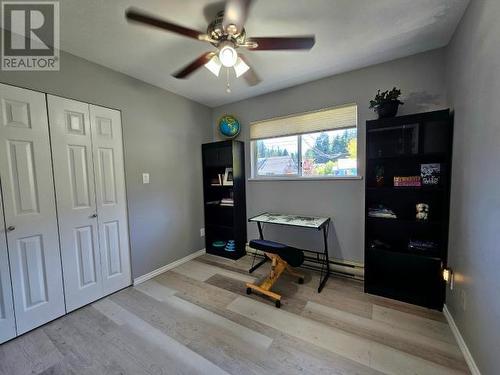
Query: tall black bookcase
x,y
224,222
405,256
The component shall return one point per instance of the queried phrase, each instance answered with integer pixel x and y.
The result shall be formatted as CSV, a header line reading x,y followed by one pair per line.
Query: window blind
x,y
340,117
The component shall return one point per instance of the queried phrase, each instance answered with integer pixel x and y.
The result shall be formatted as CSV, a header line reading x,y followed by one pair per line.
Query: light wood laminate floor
x,y
197,319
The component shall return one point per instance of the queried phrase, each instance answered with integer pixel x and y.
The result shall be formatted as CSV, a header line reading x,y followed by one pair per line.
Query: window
x,y
311,145
277,156
330,153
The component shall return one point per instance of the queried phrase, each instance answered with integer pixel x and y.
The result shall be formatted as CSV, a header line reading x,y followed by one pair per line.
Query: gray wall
x,y
473,68
162,135
422,80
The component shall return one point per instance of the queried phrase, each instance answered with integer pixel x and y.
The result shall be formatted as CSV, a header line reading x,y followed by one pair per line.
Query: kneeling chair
x,y
283,258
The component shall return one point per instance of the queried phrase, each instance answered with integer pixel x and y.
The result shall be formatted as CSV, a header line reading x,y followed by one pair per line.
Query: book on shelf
x,y
413,181
227,202
381,212
422,245
213,203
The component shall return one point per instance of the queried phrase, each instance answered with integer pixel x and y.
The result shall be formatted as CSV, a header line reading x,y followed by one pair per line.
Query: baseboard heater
x,y
339,267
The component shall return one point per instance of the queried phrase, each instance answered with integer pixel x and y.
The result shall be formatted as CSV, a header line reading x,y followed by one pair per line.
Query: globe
x,y
229,126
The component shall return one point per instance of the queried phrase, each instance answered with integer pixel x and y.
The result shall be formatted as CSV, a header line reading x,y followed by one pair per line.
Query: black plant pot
x,y
387,109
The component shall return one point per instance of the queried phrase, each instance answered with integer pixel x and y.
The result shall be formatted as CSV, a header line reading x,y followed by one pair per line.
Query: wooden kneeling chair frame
x,y
278,266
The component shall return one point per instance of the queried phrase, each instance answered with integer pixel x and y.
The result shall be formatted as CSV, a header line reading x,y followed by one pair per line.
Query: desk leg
x,y
326,260
261,235
254,267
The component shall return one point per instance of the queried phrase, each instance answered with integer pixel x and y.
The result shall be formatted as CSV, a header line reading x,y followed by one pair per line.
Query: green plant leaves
x,y
386,96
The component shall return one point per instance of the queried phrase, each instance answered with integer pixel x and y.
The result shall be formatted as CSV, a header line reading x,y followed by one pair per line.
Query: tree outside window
x,y
330,153
323,154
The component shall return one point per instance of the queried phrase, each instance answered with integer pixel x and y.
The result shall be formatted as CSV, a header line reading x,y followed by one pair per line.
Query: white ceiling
x,y
350,34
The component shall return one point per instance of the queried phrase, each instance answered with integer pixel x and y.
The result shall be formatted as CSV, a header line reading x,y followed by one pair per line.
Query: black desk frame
x,y
320,260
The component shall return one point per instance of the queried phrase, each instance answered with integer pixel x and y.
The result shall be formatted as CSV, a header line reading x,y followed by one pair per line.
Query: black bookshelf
x,y
224,223
397,147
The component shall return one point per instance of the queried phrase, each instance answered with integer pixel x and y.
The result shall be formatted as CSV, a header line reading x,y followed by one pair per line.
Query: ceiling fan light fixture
x,y
226,32
228,56
214,65
240,67
231,29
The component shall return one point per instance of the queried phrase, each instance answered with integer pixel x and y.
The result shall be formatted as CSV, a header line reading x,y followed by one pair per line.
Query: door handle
x,y
11,228
93,216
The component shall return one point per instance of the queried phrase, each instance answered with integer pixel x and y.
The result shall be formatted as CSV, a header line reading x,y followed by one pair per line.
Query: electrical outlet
x,y
463,299
145,178
202,232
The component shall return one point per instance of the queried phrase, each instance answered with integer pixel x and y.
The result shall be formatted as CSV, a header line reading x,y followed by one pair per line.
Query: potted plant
x,y
386,103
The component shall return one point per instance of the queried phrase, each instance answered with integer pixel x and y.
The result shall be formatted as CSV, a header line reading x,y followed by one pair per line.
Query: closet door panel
x,y
111,198
7,319
75,195
29,205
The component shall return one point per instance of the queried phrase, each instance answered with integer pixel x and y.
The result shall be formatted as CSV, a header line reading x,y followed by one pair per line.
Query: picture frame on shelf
x,y
216,181
431,174
228,177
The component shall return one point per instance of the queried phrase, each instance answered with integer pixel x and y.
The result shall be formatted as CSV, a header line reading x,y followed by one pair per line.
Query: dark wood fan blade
x,y
250,76
277,43
235,13
150,20
196,64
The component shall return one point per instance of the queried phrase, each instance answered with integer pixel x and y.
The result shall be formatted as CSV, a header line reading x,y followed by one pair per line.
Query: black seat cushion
x,y
267,246
294,257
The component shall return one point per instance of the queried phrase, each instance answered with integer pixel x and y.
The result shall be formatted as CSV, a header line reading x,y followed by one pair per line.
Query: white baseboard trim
x,y
461,343
167,267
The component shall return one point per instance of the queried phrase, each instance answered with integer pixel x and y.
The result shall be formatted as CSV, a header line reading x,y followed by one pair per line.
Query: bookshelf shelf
x,y
392,189
402,221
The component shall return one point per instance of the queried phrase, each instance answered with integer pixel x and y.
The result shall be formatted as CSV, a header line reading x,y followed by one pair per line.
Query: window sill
x,y
260,179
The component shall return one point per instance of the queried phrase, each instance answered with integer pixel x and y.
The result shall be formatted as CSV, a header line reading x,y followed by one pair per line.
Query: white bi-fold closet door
x,y
30,229
7,319
90,192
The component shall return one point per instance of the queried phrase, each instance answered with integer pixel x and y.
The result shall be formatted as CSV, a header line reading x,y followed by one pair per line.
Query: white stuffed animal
x,y
422,211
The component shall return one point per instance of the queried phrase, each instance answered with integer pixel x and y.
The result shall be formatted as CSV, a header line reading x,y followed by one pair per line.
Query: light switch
x,y
145,178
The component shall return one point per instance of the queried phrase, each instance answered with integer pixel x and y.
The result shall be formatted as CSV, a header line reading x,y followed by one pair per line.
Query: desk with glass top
x,y
310,222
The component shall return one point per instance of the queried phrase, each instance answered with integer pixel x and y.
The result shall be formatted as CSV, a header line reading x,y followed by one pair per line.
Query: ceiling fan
x,y
226,33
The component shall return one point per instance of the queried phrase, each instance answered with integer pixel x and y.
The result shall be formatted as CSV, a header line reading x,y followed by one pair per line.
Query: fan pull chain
x,y
228,87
